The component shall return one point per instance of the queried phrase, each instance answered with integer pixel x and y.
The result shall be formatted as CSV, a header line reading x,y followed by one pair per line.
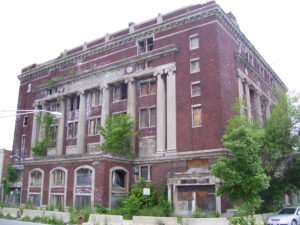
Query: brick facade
x,y
179,134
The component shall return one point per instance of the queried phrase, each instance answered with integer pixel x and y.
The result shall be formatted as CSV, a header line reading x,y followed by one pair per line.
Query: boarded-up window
x,y
185,196
196,113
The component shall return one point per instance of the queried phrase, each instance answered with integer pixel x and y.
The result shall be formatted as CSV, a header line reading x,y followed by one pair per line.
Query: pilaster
x,y
34,134
81,124
104,107
131,105
171,111
61,127
161,114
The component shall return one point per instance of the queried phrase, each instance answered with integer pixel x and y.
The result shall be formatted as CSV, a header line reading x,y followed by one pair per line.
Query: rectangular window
x,y
196,115
72,130
82,201
53,133
74,103
95,98
25,121
119,92
23,142
35,199
93,126
147,87
145,45
194,66
195,89
194,42
147,117
28,87
57,201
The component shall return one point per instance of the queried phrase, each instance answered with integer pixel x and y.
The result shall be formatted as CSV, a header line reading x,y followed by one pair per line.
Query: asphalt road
x,y
17,222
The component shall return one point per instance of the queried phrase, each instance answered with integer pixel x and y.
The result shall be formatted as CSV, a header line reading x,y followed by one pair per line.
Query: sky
x,y
35,31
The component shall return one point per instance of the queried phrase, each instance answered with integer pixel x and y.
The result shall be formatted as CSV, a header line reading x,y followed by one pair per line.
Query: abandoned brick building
x,y
177,75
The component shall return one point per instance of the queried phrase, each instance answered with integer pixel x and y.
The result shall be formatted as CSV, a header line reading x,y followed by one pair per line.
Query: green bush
x,y
100,208
75,213
26,219
29,205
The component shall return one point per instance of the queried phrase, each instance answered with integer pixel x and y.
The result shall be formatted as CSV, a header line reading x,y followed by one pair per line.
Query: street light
x,y
26,112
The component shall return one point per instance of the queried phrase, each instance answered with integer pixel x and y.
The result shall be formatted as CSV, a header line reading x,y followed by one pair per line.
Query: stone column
x,y
258,106
170,193
161,114
171,111
104,107
131,105
41,133
248,102
81,124
268,109
34,134
61,127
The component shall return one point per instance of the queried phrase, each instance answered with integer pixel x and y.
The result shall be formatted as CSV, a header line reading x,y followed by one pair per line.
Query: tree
x,y
279,151
243,175
117,133
41,147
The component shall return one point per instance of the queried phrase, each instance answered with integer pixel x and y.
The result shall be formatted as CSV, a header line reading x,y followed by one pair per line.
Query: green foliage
x,y
243,175
117,132
279,152
29,205
100,208
243,220
41,147
75,213
12,174
6,186
26,219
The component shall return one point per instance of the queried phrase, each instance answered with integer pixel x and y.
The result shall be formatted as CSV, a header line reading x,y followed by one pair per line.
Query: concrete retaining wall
x,y
32,213
13,212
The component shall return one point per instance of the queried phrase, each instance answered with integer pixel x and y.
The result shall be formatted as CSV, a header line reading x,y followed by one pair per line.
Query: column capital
x,y
170,71
81,92
158,73
104,86
130,80
61,98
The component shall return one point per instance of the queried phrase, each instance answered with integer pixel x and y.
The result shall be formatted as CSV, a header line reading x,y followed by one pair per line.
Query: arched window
x,y
36,177
58,177
84,176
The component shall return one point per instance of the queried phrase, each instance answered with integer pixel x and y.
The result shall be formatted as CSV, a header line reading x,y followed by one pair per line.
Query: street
x,y
17,222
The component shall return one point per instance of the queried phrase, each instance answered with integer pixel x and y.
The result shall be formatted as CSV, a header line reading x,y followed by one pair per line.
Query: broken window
x,y
95,97
194,42
195,89
74,102
145,45
82,201
194,65
93,126
36,178
53,133
72,130
147,87
144,172
84,176
57,201
58,177
35,199
196,115
147,117
23,142
25,121
119,92
119,178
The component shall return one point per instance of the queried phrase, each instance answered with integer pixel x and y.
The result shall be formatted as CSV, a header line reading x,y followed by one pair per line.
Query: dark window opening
x,y
119,178
145,45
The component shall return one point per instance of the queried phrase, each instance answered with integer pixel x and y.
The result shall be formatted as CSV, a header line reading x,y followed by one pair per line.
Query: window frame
x,y
121,87
139,174
147,47
194,107
195,83
148,117
52,177
191,38
29,88
23,142
193,61
74,130
96,131
148,82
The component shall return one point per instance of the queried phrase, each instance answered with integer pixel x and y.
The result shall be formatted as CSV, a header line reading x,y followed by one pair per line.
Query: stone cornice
x,y
156,158
185,18
157,53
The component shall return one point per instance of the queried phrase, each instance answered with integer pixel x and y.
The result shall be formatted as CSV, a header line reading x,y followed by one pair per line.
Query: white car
x,y
286,216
